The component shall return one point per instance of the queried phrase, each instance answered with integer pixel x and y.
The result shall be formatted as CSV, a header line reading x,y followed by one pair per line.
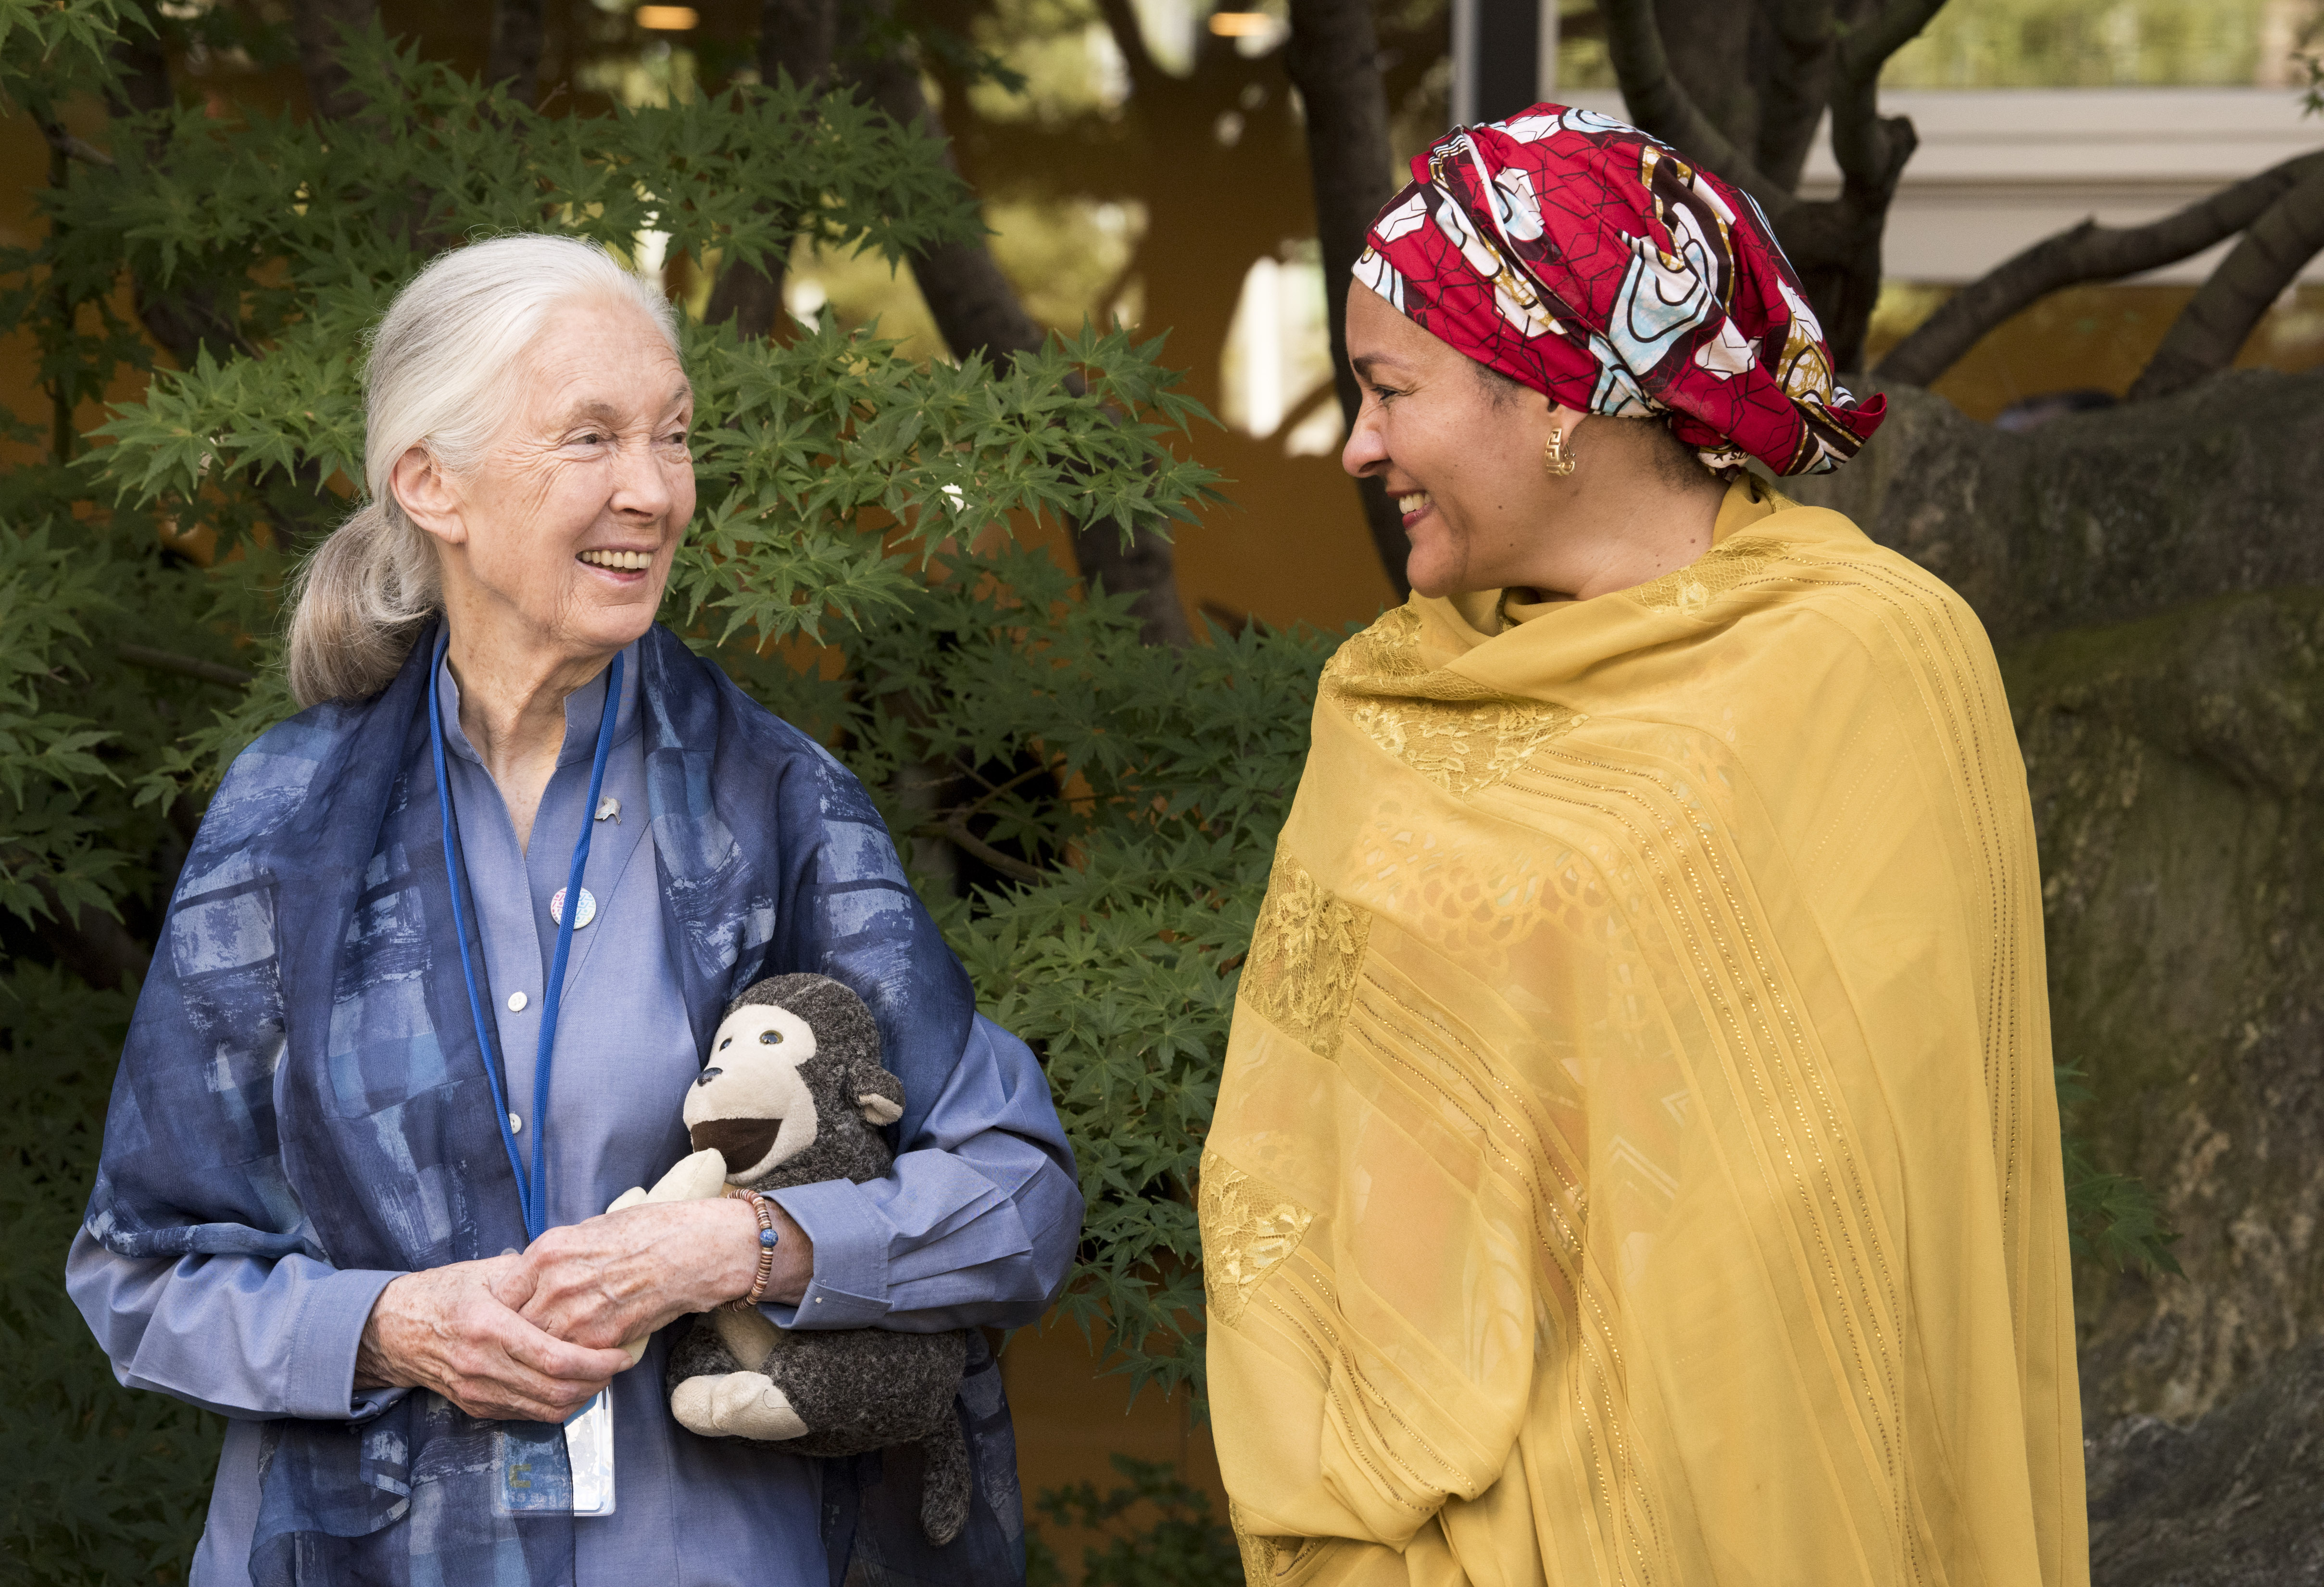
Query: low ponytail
x,y
437,377
358,604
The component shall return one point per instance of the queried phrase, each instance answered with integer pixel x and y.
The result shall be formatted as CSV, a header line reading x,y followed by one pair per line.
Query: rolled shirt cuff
x,y
849,1288
325,1337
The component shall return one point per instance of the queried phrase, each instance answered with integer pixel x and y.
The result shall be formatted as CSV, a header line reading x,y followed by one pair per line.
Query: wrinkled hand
x,y
448,1330
620,1275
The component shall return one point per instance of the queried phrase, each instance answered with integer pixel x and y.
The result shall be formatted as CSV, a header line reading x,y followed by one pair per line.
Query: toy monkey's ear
x,y
879,1093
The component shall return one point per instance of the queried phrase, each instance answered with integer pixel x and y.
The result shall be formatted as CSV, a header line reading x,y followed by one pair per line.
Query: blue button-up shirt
x,y
975,1228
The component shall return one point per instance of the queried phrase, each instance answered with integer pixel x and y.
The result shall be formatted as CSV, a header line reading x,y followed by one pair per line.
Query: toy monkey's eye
x,y
770,1036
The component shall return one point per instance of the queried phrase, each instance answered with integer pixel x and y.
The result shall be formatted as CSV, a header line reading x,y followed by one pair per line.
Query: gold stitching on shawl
x,y
1303,952
1776,1069
1600,1404
1249,1228
1692,589
1263,1557
1317,1328
1458,734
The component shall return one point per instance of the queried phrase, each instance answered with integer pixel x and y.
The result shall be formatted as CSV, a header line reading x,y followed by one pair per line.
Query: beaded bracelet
x,y
768,1241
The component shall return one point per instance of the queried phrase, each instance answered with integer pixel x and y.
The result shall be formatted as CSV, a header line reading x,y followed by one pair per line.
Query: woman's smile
x,y
1414,506
624,564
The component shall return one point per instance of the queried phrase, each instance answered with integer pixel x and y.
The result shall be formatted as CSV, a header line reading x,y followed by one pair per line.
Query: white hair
x,y
441,364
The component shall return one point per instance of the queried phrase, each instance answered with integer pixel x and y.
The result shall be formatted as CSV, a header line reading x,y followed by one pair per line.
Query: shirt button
x,y
517,1000
516,1125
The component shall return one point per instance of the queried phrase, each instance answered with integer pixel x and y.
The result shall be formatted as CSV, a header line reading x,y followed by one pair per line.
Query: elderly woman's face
x,y
563,536
1464,467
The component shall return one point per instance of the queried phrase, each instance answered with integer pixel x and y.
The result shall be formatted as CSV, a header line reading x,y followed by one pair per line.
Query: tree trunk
x,y
798,38
1668,79
321,28
1792,51
514,58
1705,41
180,322
1333,60
978,311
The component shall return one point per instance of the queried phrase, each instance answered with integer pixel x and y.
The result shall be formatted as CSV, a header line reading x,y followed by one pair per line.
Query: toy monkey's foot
x,y
735,1405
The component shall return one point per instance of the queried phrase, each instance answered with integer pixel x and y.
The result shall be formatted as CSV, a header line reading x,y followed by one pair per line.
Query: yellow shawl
x,y
1637,1159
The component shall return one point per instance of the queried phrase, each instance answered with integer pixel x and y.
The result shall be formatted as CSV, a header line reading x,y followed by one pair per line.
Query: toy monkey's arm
x,y
696,1178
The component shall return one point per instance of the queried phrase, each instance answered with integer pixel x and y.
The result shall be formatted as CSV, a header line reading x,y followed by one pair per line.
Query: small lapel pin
x,y
609,808
587,912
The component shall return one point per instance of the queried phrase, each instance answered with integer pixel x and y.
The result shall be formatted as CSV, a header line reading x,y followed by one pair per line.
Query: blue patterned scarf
x,y
302,1076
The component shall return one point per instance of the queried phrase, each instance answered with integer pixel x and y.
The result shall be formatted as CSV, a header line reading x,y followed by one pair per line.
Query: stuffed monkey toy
x,y
794,1094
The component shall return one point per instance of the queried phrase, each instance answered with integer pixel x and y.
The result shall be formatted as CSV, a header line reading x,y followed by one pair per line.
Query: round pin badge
x,y
588,908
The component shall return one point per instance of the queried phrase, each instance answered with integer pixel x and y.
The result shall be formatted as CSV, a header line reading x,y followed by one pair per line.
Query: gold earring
x,y
1557,461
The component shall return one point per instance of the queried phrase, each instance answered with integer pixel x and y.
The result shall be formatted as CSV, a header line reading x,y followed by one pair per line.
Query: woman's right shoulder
x,y
275,772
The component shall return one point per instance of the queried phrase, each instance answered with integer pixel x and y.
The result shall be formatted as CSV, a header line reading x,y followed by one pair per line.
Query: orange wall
x,y
1069,1420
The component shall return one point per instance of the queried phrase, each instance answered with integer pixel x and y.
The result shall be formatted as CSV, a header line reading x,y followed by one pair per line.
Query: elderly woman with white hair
x,y
386,1074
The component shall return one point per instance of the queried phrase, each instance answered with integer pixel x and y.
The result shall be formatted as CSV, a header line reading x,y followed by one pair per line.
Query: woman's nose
x,y
1365,449
644,483
707,1075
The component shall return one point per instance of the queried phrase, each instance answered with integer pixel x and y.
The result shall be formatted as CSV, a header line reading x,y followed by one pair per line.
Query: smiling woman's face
x,y
561,537
1464,467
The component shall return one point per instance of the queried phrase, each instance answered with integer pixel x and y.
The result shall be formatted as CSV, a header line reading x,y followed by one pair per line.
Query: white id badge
x,y
589,1452
534,1480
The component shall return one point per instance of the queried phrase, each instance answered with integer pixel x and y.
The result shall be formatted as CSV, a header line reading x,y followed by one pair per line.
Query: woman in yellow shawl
x,y
1637,1159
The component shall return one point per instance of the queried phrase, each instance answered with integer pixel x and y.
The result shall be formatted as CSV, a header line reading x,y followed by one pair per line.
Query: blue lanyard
x,y
532,1187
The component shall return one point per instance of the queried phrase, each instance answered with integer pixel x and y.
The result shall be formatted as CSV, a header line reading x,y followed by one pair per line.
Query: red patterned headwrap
x,y
1579,257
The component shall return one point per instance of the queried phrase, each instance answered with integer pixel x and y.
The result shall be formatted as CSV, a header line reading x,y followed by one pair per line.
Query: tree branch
x,y
993,791
1863,50
1872,149
955,832
154,660
72,148
1835,243
2085,252
1297,413
1333,60
1660,104
2211,330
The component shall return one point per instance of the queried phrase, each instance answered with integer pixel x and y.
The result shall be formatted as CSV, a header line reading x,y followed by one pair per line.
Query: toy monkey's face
x,y
751,1101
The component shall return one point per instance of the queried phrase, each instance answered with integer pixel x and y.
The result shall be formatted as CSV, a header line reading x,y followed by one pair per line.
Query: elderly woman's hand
x,y
620,1275
448,1330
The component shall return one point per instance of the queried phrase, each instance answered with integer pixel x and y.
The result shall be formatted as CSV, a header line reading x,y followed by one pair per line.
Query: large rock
x,y
2099,516
2235,1500
2150,574
2177,768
